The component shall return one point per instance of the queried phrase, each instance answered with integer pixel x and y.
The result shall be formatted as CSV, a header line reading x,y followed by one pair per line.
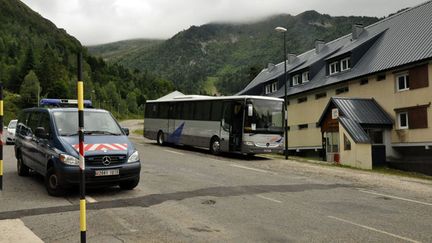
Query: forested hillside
x,y
37,57
230,55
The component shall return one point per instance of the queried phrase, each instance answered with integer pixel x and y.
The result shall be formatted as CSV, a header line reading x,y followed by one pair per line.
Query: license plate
x,y
107,172
267,150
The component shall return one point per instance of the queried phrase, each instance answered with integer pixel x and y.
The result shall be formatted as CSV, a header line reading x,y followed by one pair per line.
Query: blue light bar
x,y
64,102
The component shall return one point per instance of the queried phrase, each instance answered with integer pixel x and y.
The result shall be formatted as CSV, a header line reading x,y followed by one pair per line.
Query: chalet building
x,y
364,98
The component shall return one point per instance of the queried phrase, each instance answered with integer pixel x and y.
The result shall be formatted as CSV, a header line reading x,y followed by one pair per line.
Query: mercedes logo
x,y
106,160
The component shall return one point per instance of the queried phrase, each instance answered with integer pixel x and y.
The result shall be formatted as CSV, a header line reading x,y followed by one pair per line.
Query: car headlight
x,y
248,143
134,157
69,160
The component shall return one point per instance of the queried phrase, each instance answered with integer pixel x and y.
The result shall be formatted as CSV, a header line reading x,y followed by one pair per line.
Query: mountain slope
x,y
234,53
116,50
36,56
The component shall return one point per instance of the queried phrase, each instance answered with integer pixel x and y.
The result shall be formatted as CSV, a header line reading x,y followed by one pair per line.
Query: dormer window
x,y
270,88
345,64
305,77
334,67
296,79
274,87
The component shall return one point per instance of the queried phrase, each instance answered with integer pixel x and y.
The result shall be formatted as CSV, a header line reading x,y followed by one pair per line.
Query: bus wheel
x,y
215,146
160,138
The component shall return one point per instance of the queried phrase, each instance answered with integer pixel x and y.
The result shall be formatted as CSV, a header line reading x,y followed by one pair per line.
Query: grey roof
x,y
358,113
400,39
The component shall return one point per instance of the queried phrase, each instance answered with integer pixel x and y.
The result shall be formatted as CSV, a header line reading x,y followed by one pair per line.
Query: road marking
x,y
174,152
249,168
373,229
400,198
90,199
270,199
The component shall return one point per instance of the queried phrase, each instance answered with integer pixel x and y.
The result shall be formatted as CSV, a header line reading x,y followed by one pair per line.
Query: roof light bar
x,y
63,102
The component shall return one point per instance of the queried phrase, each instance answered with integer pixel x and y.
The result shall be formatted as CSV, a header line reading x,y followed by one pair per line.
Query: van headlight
x,y
134,157
69,160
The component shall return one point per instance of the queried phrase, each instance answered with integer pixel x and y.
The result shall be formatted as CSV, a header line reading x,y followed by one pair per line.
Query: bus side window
x,y
216,111
179,111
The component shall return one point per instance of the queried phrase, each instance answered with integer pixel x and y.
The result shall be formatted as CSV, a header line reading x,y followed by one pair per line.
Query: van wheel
x,y
129,185
22,169
52,183
215,146
160,138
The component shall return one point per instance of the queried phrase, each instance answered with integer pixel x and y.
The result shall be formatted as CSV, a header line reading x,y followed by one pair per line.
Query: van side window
x,y
45,122
33,122
21,127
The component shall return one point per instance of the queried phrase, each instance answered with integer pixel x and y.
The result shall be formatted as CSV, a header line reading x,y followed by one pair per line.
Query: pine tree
x,y
30,89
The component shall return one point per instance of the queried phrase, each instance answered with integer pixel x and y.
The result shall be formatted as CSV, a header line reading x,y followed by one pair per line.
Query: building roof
x,y
171,95
355,114
398,40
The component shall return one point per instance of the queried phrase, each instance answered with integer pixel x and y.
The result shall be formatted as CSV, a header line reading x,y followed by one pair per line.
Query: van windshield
x,y
95,123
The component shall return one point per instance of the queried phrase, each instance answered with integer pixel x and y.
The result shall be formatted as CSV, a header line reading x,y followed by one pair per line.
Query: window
x,y
332,142
267,89
163,110
402,82
45,122
151,110
364,81
381,77
33,121
216,111
188,110
402,120
320,95
347,143
302,126
376,136
296,80
345,64
342,90
302,99
305,77
202,110
333,68
274,87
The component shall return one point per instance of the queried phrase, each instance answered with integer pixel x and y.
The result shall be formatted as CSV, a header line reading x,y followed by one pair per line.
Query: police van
x,y
47,143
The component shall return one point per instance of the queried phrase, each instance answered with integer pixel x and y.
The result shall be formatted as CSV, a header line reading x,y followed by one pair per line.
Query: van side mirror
x,y
126,130
250,109
41,133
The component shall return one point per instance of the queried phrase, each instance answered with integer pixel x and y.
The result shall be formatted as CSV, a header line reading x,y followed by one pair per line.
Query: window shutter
x,y
419,77
417,117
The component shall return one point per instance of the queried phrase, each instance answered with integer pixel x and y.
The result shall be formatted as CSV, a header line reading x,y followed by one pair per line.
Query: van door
x,y
29,145
43,144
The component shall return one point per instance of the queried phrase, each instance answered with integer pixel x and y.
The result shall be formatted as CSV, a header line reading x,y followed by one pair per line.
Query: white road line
x,y
373,229
270,199
174,152
249,168
90,199
400,198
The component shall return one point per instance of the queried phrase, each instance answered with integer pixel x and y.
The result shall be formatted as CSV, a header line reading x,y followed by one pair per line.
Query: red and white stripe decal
x,y
103,146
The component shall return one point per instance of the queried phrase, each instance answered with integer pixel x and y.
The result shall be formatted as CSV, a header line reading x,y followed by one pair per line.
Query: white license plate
x,y
107,172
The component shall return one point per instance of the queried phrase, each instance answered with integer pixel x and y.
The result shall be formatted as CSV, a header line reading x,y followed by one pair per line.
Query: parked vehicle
x,y
239,124
47,143
10,133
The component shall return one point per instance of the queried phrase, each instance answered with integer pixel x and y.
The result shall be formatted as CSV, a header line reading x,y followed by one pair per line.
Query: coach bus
x,y
239,124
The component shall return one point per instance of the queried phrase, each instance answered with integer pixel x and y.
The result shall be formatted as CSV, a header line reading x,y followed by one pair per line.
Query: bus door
x,y
232,126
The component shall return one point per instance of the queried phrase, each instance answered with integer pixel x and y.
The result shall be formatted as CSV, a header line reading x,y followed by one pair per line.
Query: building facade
x,y
389,61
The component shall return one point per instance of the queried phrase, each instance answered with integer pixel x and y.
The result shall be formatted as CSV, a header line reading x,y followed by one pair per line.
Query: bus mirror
x,y
250,110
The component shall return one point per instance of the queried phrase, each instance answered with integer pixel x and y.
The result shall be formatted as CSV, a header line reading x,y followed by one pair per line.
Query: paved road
x,y
188,195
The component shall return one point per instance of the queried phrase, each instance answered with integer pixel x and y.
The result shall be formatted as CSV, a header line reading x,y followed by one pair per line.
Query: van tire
x,y
129,184
160,138
52,183
22,169
215,146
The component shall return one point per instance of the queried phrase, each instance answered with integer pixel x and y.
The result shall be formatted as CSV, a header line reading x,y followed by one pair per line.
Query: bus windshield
x,y
266,117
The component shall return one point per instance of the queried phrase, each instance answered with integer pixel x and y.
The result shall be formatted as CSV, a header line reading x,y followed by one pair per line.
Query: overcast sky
x,y
103,21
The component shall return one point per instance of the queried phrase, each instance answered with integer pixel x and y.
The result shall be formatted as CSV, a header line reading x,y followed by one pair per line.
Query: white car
x,y
10,134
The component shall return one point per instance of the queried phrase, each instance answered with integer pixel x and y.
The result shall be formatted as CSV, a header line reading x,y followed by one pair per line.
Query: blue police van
x,y
47,143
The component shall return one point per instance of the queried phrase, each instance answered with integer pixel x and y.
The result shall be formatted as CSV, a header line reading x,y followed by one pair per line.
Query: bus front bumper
x,y
252,149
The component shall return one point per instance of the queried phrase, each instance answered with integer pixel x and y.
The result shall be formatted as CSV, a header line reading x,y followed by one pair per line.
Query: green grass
x,y
138,132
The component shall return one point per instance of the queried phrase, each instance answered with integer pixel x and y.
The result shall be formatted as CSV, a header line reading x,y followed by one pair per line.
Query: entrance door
x,y
332,146
232,126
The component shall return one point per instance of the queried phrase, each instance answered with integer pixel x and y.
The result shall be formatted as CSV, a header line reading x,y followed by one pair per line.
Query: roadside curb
x,y
14,230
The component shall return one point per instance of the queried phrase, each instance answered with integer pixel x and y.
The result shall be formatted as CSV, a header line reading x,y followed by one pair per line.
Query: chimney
x,y
357,29
319,46
291,58
270,67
